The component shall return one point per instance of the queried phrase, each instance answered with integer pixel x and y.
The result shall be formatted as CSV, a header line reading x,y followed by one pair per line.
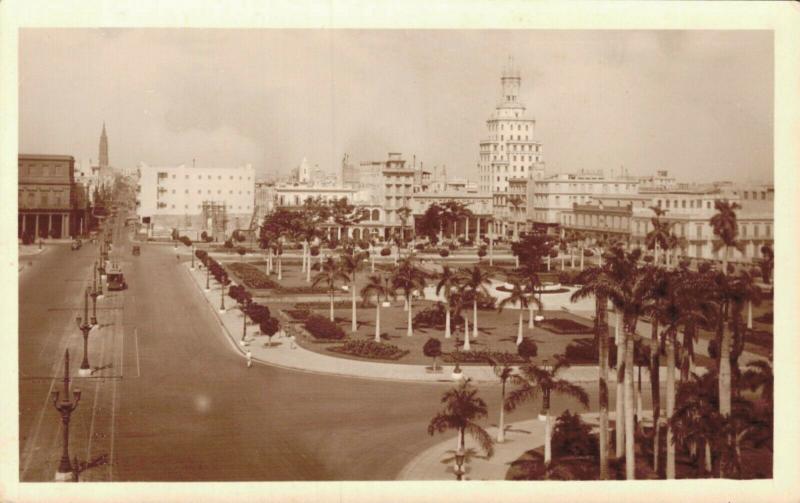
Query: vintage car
x,y
116,280
76,245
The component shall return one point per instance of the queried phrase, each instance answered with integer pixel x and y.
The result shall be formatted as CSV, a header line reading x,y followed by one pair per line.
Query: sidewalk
x,y
281,354
522,436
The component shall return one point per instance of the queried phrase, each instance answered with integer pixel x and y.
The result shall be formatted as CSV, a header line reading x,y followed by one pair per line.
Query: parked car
x,y
116,280
76,245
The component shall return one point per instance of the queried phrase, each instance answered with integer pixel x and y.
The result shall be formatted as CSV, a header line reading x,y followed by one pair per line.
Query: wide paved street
x,y
172,400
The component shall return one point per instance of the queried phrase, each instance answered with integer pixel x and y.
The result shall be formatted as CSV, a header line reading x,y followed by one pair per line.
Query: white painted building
x,y
179,196
556,194
509,149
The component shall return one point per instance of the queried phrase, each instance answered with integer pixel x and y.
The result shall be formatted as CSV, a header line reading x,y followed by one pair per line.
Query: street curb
x,y
241,351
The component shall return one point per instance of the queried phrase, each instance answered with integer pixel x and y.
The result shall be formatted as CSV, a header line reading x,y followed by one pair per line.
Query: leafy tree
x,y
658,237
461,409
527,349
270,327
432,349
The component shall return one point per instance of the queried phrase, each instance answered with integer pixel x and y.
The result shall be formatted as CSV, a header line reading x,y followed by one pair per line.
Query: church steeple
x,y
103,148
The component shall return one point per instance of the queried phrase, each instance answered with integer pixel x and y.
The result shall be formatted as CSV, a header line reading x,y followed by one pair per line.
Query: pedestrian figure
x,y
249,359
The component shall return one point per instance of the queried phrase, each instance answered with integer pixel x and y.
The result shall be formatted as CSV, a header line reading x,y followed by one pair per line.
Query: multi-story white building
x,y
187,197
510,149
689,210
556,194
479,203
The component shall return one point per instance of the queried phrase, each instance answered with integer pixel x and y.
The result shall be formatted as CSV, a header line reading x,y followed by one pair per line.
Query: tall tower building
x,y
509,150
103,149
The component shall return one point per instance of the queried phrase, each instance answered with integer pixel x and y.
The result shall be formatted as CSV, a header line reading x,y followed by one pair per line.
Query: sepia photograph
x,y
339,254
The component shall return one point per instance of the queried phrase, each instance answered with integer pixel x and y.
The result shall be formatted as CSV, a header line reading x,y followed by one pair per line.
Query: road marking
x,y
136,340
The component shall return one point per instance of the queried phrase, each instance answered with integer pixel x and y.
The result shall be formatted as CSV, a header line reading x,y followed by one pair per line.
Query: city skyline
x,y
589,92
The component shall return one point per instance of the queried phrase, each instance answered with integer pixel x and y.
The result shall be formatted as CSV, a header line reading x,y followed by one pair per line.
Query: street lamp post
x,y
65,407
222,281
85,327
192,248
208,278
94,295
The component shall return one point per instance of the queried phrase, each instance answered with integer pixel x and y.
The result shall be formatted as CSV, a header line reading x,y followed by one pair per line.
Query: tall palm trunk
x,y
602,343
562,261
655,393
670,402
656,253
466,335
501,427
410,329
377,319
475,316
332,318
353,314
530,314
582,256
447,319
725,373
547,439
308,265
630,456
519,328
708,457
620,395
280,267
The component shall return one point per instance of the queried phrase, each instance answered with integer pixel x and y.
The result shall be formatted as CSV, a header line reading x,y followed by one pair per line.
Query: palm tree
x,y
504,372
462,407
474,281
726,228
350,263
696,419
515,202
629,296
596,282
379,287
533,381
658,237
410,279
520,296
330,273
448,281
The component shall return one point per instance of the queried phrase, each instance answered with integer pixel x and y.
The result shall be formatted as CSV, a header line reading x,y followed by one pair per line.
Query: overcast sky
x,y
698,104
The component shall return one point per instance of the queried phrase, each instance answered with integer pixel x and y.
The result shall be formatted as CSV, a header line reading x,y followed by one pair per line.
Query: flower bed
x,y
564,326
764,318
370,349
759,338
481,357
252,276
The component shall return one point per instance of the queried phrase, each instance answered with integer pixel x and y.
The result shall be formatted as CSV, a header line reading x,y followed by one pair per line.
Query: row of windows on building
x,y
42,170
752,195
493,126
510,137
643,227
208,191
164,204
530,147
44,201
693,203
163,175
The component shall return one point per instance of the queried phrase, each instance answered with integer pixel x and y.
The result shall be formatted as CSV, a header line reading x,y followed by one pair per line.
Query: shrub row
x,y
583,351
323,328
370,349
482,356
565,326
252,276
298,314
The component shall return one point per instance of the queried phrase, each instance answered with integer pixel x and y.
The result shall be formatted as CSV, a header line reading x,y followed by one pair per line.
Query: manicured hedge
x,y
370,349
252,276
323,328
585,351
479,356
298,314
565,326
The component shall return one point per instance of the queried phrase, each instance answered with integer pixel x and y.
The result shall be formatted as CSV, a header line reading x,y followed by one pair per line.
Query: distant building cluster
x,y
513,194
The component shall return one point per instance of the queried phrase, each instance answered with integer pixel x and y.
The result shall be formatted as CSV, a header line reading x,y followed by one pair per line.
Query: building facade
x,y
46,196
218,199
509,149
